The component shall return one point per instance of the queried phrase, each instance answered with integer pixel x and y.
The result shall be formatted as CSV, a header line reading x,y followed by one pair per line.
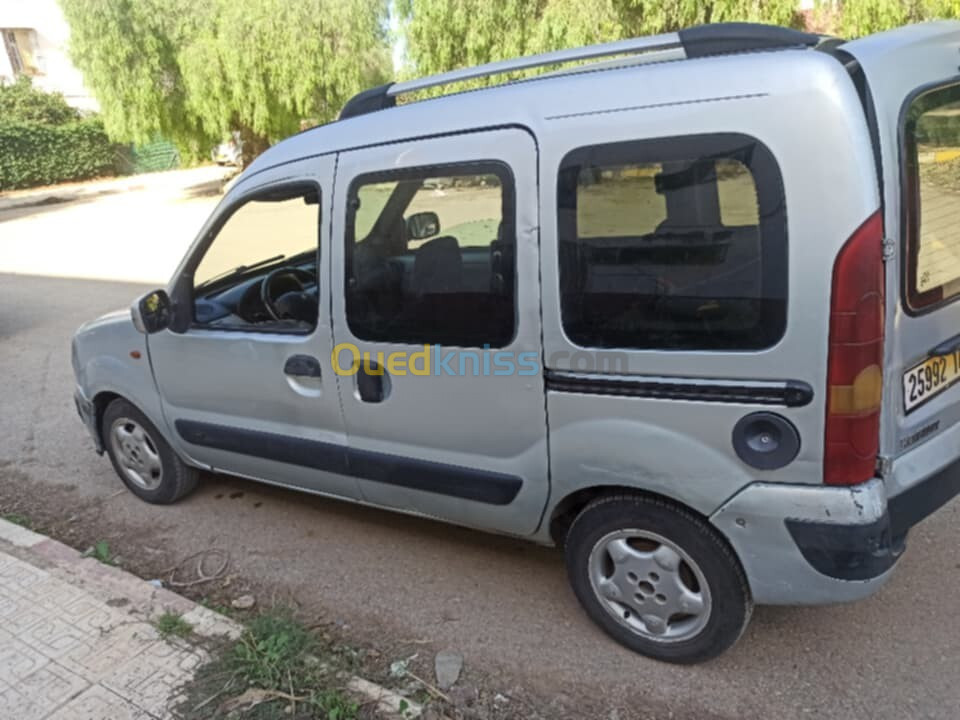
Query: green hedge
x,y
939,130
33,153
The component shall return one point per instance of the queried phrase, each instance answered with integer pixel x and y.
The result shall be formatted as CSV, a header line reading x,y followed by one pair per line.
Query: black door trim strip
x,y
457,481
789,393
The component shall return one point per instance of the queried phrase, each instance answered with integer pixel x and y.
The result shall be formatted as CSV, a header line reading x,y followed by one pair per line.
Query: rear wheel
x,y
657,579
144,461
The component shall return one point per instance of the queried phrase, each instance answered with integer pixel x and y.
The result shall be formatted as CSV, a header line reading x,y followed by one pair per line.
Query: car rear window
x,y
932,202
673,244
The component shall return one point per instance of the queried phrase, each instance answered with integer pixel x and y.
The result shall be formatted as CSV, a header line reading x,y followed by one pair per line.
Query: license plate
x,y
930,378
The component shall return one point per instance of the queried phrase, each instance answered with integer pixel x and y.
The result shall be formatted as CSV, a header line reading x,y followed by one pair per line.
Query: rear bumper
x,y
811,545
88,414
845,555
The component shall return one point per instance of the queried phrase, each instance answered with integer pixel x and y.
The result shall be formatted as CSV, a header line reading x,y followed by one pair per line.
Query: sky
x,y
399,42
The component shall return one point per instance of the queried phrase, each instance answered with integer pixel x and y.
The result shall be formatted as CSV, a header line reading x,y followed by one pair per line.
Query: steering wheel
x,y
266,288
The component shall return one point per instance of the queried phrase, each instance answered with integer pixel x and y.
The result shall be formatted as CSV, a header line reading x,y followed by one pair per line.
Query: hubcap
x,y
650,585
136,454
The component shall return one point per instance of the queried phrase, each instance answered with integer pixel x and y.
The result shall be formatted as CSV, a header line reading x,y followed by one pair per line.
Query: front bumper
x,y
811,545
88,414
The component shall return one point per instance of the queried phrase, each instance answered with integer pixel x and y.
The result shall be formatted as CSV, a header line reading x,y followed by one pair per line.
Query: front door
x,y
436,319
246,384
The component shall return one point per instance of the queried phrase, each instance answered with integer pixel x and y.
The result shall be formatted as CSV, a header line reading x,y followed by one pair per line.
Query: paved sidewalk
x,y
77,640
209,178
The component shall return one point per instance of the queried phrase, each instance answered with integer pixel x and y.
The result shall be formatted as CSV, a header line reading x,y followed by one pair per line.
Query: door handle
x,y
302,366
370,385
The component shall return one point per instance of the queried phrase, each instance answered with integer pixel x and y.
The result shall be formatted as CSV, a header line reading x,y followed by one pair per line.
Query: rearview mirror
x,y
422,225
151,313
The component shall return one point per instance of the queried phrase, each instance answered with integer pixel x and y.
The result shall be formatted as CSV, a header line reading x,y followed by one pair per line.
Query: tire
x,y
646,598
142,458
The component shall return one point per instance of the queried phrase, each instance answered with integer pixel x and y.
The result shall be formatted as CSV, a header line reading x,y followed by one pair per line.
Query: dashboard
x,y
241,305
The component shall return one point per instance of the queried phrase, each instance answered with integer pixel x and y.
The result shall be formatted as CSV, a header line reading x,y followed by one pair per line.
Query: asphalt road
x,y
503,603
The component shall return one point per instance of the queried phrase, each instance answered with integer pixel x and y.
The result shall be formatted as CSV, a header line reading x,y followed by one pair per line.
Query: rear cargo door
x,y
914,82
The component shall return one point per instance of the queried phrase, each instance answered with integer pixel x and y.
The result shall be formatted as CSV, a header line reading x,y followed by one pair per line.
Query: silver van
x,y
685,308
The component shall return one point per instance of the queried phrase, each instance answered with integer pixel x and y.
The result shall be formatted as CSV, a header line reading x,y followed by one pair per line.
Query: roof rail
x,y
734,37
368,101
557,57
699,41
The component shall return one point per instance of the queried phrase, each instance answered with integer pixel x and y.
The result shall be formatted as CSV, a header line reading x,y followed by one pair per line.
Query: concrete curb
x,y
113,583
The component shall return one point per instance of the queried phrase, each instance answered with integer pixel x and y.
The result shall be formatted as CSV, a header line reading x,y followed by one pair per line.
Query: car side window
x,y
430,256
260,270
673,244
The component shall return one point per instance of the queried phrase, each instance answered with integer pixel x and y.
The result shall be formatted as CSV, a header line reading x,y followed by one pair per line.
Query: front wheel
x,y
144,461
657,579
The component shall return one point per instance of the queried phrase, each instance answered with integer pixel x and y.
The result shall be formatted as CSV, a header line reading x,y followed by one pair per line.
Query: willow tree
x,y
655,16
862,17
195,70
444,34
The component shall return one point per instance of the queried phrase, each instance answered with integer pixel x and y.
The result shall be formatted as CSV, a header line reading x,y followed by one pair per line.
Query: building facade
x,y
34,42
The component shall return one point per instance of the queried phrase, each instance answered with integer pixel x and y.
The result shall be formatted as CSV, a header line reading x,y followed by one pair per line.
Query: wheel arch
x,y
564,511
100,402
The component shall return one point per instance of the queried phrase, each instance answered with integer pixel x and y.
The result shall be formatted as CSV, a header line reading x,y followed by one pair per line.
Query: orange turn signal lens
x,y
864,395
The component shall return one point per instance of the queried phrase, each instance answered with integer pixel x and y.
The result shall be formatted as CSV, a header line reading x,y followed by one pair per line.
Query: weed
x,y
277,659
335,704
101,551
273,648
18,519
172,624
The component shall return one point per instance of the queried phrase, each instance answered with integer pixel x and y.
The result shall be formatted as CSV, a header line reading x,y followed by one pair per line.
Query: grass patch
x,y
278,669
335,704
172,624
18,519
273,647
100,551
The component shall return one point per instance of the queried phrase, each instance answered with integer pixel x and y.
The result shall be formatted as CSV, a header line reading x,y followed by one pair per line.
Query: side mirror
x,y
151,313
422,225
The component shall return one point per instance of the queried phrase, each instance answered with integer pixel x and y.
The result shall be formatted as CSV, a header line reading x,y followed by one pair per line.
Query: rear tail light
x,y
855,360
